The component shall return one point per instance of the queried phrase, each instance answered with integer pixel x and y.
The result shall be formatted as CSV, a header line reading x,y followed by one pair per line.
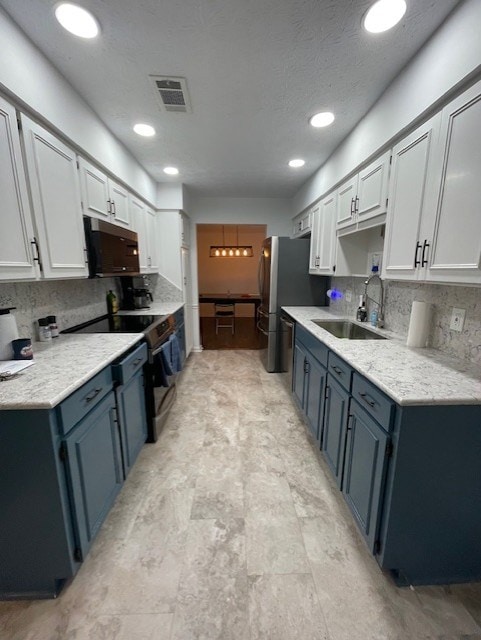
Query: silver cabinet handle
x,y
366,399
416,251
36,257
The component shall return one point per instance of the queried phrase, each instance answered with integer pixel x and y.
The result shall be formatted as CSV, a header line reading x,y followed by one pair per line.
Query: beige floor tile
x,y
274,545
269,494
121,627
219,497
283,607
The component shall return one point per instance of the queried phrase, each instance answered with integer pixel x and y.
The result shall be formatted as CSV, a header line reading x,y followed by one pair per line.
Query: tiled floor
x,y
229,528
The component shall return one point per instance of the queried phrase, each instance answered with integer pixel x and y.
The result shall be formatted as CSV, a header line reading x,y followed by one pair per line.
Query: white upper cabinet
x,y
119,202
144,222
453,251
323,237
102,197
55,190
17,241
413,192
364,196
434,221
95,191
301,224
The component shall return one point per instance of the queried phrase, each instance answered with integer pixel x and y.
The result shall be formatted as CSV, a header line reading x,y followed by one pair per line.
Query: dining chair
x,y
224,316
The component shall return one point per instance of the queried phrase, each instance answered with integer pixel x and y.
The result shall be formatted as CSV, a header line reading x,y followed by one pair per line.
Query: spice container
x,y
52,321
44,333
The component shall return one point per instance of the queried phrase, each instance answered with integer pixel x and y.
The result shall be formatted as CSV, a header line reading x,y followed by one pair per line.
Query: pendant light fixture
x,y
231,250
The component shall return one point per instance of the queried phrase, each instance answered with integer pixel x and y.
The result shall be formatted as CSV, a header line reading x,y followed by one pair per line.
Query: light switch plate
x,y
457,319
348,295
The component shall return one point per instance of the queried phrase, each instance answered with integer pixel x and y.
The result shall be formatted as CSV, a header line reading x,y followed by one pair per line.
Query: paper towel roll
x,y
8,332
419,324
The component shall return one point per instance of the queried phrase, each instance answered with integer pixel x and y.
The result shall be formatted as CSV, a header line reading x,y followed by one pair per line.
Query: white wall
x,y
448,58
273,212
27,75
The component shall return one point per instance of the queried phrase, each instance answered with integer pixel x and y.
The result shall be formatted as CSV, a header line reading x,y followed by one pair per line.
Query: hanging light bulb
x,y
217,253
244,252
224,252
231,252
237,252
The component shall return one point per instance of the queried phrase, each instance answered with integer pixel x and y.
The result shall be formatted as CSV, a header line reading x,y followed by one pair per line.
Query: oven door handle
x,y
156,351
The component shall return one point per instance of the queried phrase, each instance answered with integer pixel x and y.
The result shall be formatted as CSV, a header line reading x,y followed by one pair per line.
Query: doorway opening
x,y
229,279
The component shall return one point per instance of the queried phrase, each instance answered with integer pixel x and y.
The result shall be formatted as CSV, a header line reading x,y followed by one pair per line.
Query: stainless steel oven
x,y
160,381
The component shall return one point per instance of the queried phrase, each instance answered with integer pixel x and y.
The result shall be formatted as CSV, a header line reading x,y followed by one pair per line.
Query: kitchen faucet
x,y
380,302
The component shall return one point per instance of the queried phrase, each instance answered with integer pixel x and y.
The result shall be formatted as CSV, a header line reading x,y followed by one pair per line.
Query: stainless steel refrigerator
x,y
284,280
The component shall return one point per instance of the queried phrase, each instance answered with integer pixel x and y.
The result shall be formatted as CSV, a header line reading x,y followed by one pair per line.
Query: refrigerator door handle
x,y
260,276
261,329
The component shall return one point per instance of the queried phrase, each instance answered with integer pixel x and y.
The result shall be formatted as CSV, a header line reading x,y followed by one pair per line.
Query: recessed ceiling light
x,y
297,162
77,20
323,119
144,130
383,15
171,171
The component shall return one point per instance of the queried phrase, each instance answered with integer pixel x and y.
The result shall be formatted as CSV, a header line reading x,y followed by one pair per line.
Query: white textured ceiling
x,y
256,70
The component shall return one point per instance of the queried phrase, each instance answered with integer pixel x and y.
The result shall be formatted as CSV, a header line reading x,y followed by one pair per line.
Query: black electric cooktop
x,y
116,324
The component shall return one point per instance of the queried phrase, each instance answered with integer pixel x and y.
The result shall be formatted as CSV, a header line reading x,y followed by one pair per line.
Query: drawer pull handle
x,y
365,397
136,362
337,370
93,395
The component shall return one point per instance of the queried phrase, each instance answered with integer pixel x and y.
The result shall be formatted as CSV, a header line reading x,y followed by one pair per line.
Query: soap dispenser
x,y
361,313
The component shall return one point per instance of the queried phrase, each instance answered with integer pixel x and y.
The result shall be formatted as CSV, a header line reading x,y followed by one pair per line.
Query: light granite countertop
x,y
62,367
156,309
409,376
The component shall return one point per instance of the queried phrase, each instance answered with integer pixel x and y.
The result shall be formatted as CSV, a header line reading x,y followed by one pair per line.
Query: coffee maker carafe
x,y
142,297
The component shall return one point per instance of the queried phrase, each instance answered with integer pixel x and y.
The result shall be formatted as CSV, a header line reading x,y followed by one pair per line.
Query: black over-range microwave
x,y
111,250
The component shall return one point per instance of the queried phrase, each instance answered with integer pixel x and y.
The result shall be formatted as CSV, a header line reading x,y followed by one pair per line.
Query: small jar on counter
x,y
52,321
44,332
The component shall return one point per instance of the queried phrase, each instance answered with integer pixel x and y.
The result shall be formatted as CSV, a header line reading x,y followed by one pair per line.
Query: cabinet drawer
x,y
76,406
340,371
317,348
372,400
125,368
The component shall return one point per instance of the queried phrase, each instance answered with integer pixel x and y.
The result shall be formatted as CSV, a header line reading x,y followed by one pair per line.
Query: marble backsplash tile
x,y
398,298
71,301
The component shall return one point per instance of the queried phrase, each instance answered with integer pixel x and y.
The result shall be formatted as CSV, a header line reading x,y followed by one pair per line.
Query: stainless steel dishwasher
x,y
287,345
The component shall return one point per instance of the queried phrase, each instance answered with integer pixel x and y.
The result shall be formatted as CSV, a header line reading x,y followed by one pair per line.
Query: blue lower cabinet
x,y
364,471
309,380
94,470
132,418
314,395
335,426
299,373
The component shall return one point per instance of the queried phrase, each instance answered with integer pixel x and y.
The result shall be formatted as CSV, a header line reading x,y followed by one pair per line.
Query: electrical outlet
x,y
348,295
457,319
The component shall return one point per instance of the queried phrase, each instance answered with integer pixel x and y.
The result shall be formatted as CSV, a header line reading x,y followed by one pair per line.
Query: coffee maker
x,y
136,292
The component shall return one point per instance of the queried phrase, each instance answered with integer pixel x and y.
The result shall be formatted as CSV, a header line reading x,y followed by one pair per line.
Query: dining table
x,y
233,298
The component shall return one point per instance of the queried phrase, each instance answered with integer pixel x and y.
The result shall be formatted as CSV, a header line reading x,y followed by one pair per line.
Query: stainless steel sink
x,y
348,330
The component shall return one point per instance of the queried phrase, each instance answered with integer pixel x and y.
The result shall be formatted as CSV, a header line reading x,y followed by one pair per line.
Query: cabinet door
x,y
371,198
412,192
95,191
55,187
132,418
187,297
17,259
314,395
455,255
120,204
94,467
346,200
314,256
152,240
139,224
335,425
184,230
327,236
299,373
364,471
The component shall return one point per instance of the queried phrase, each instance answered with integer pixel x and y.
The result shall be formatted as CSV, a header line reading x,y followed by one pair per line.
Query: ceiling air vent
x,y
173,93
